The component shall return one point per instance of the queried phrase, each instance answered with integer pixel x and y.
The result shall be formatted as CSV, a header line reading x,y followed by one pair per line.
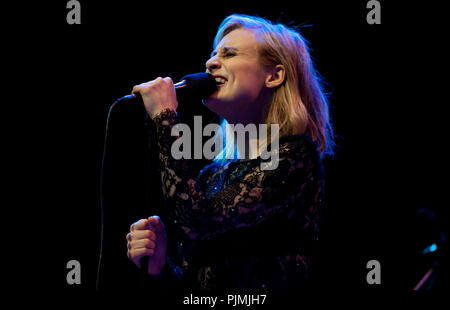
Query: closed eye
x,y
229,54
226,51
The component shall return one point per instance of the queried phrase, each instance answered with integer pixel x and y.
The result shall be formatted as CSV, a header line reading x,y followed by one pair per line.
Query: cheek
x,y
249,83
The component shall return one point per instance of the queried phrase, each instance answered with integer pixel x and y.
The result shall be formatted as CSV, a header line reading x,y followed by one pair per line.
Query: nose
x,y
213,64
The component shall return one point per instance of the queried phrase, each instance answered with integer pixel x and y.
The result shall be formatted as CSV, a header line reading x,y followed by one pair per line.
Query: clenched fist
x,y
147,237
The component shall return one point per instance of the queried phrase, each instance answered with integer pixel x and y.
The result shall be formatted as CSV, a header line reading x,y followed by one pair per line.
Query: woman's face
x,y
240,95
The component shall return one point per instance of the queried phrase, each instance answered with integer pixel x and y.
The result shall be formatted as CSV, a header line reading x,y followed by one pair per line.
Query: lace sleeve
x,y
248,199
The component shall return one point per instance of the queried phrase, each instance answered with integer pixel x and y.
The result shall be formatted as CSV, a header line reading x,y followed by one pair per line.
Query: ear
x,y
276,76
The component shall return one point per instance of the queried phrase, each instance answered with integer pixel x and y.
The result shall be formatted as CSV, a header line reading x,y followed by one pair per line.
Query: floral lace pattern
x,y
238,226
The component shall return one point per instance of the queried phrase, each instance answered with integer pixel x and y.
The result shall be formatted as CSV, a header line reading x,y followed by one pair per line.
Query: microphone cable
x,y
126,99
102,192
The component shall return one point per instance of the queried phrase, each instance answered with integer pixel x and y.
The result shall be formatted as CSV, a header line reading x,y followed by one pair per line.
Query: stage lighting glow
x,y
430,248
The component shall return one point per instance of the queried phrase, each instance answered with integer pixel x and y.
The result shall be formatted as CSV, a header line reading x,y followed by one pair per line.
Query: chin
x,y
213,104
217,105
213,100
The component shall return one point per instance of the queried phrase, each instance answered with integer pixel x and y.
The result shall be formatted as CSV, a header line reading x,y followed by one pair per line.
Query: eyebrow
x,y
225,49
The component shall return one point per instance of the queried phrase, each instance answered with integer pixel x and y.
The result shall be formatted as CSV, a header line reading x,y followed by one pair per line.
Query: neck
x,y
252,113
250,143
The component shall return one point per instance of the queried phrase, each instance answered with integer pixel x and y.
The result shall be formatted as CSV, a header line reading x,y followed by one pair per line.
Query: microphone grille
x,y
201,84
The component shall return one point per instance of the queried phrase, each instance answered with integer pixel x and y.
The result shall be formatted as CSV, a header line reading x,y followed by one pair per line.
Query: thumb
x,y
156,222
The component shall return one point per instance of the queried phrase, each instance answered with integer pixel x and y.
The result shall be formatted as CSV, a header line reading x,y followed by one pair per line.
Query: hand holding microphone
x,y
157,95
161,93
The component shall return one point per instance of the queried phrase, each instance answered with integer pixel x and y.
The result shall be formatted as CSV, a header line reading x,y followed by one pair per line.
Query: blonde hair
x,y
299,104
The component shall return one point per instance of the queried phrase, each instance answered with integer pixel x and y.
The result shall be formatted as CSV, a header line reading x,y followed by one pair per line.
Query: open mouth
x,y
220,81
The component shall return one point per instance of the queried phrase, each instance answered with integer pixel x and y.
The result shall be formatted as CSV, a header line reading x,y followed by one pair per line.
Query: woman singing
x,y
236,225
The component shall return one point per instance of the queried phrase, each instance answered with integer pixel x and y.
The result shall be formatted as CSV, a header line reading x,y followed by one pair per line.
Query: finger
x,y
137,88
168,80
139,225
142,234
142,243
137,254
142,86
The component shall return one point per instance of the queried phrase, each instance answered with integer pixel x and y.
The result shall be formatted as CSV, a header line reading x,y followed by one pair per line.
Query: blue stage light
x,y
430,248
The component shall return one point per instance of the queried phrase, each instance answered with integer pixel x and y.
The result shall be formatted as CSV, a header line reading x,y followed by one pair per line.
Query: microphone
x,y
201,85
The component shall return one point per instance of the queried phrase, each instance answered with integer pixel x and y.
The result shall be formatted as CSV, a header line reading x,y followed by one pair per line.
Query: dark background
x,y
387,99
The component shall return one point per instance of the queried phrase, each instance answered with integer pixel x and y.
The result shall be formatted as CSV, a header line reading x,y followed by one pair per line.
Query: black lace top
x,y
235,225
